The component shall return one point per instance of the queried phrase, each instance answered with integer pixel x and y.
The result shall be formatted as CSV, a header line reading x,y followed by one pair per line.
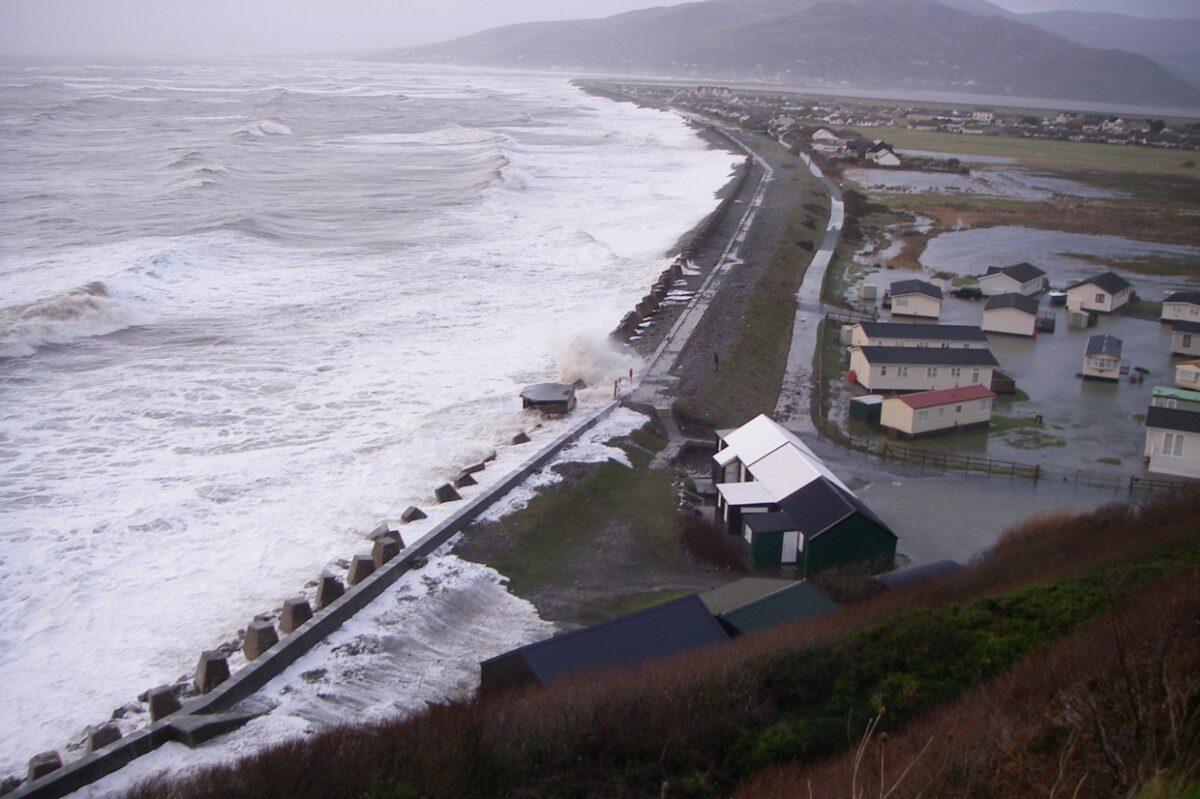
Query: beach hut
x,y
755,603
915,334
1022,278
1175,399
1103,293
1102,359
1185,338
1173,442
791,511
931,412
549,398
916,298
866,408
1187,374
920,368
683,625
1181,306
1011,314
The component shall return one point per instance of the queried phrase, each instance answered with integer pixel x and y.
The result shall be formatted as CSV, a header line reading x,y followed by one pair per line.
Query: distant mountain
x,y
956,45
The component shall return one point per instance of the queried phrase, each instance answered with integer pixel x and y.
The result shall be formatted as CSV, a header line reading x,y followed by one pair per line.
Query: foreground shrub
x,y
710,544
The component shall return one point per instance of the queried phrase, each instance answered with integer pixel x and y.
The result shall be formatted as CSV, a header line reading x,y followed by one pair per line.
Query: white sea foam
x,y
266,127
303,351
83,313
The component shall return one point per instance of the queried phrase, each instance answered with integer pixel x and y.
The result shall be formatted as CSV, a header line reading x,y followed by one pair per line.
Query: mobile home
x,y
930,412
915,334
1185,338
1102,359
1173,442
916,298
1011,314
1181,305
1104,293
1022,278
920,368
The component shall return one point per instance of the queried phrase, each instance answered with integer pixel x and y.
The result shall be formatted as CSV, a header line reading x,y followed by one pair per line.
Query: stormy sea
x,y
250,309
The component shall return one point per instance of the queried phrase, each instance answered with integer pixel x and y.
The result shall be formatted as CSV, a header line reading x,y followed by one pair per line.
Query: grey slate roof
x,y
1173,419
801,600
933,356
1109,281
915,574
548,392
770,522
1191,297
902,287
1105,345
658,632
822,504
740,592
1013,300
929,331
1185,327
1022,272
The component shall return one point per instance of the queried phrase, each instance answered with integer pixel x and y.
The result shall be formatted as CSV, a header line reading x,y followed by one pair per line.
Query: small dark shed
x,y
549,397
682,625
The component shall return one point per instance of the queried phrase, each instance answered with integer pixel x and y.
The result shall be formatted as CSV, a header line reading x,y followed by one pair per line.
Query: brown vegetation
x,y
710,543
699,725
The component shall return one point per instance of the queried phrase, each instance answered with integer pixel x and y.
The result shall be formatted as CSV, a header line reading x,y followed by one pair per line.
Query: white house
x,y
1105,293
916,298
1187,375
1185,338
920,368
1102,359
883,155
904,334
826,135
1011,314
1173,442
1181,305
929,412
983,116
1022,278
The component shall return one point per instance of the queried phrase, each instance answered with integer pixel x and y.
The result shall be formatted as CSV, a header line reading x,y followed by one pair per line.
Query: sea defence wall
x,y
211,714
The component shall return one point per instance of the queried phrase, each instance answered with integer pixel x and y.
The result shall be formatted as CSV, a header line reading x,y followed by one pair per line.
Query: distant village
x,y
782,112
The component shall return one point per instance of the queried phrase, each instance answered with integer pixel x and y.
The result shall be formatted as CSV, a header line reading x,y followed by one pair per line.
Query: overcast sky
x,y
250,27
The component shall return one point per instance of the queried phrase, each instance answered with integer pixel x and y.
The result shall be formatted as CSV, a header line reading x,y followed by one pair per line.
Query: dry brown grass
x,y
672,717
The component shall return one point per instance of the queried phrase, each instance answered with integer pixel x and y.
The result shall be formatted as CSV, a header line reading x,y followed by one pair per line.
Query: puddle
x,y
1008,182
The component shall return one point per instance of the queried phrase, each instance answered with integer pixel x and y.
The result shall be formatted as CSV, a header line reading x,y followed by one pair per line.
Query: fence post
x,y
1037,472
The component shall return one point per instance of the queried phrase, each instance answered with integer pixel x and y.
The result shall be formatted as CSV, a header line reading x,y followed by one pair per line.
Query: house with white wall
x,y
916,298
1022,278
930,412
1173,442
1181,306
1185,338
919,334
920,368
1102,358
1010,314
1104,293
1187,375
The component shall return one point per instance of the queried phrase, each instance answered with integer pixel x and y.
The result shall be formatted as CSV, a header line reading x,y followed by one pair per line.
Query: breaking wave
x,y
264,128
81,313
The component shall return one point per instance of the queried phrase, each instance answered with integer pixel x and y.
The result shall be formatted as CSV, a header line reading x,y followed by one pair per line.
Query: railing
x,y
849,317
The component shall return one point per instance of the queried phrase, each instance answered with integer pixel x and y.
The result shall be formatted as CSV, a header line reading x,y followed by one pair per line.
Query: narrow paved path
x,y
795,396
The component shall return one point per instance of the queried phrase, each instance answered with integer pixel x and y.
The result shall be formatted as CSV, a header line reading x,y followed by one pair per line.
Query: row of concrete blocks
x,y
652,301
213,667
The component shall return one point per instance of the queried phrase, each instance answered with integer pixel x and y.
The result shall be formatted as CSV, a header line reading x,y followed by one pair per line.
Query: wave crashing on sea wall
x,y
82,313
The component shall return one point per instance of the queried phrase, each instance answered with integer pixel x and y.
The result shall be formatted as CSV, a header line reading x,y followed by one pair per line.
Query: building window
x,y
956,372
958,409
922,416
985,404
902,300
1173,444
902,371
931,371
941,411
975,376
1099,299
1187,339
882,370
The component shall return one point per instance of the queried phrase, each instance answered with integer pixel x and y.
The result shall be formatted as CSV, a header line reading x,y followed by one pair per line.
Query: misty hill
x,y
1172,42
900,44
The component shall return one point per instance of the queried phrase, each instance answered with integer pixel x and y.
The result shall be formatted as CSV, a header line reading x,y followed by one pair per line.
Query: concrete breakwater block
x,y
491,456
101,736
42,764
412,514
329,590
474,468
260,636
193,730
676,270
360,569
384,550
163,702
296,611
446,493
520,438
211,670
464,480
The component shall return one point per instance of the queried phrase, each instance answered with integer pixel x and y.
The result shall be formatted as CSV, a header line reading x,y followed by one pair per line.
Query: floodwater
x,y
998,182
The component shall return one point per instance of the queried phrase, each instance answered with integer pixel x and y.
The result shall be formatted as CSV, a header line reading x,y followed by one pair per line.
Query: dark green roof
x,y
798,601
740,592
